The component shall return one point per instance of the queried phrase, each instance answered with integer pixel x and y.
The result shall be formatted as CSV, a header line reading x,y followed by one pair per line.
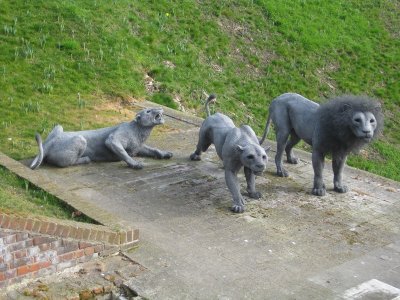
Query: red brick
x,y
6,221
89,251
44,264
79,253
13,222
93,234
29,225
51,228
59,229
21,236
122,237
66,256
83,245
2,276
20,253
65,232
1,218
73,232
27,269
11,273
36,226
21,223
86,233
43,227
38,240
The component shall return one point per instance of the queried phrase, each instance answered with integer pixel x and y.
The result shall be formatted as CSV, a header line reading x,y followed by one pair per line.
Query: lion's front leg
x,y
318,166
147,151
338,161
251,184
233,186
118,149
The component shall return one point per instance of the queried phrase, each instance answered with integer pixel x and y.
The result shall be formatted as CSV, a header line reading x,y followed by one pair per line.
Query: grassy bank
x,y
62,60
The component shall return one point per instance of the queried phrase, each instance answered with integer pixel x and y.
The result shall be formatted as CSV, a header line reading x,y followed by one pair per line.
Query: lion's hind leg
x,y
202,146
281,139
293,141
68,151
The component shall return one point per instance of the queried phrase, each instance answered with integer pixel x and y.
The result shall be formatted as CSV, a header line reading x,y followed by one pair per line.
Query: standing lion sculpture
x,y
120,142
236,147
338,127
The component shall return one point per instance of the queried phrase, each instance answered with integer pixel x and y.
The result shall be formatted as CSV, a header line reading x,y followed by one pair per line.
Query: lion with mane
x,y
342,125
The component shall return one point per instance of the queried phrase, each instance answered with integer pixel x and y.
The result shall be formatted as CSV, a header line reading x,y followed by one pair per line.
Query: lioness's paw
x,y
255,195
341,189
194,156
238,209
293,160
282,173
319,191
167,155
136,166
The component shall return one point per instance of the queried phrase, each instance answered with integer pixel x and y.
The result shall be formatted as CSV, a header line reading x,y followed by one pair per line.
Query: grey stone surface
x,y
287,245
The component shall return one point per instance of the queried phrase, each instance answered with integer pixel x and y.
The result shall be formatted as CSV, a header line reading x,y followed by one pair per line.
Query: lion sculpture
x,y
340,126
120,142
236,147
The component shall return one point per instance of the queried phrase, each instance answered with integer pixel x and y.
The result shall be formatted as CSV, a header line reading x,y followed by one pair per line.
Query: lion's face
x,y
150,117
363,125
254,157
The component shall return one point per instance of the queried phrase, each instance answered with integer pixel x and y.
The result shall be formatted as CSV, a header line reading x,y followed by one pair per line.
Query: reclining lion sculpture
x,y
340,126
120,142
236,147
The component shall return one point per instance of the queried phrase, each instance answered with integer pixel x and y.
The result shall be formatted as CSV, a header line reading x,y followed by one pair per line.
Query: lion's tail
x,y
39,158
266,130
211,98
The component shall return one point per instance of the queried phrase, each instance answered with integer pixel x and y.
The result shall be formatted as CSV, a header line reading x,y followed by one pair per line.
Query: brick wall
x,y
32,247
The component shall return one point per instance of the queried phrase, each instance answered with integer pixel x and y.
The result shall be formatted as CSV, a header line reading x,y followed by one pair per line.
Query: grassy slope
x,y
61,59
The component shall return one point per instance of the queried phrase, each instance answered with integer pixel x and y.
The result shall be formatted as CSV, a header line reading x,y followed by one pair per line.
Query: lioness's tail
x,y
211,98
39,158
266,130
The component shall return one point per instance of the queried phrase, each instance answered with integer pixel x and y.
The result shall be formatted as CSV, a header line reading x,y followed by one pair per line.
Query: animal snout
x,y
260,166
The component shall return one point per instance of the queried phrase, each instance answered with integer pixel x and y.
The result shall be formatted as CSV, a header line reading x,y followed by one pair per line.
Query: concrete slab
x,y
287,245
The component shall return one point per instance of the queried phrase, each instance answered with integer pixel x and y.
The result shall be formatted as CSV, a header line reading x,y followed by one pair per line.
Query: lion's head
x,y
150,117
352,120
254,157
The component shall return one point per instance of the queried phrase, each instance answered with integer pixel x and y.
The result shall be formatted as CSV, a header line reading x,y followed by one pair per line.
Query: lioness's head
x,y
150,117
254,157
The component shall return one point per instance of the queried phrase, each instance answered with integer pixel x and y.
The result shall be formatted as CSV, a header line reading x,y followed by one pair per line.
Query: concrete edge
x,y
113,230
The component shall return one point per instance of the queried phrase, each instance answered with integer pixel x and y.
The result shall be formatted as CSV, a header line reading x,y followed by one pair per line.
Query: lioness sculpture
x,y
236,147
116,143
340,126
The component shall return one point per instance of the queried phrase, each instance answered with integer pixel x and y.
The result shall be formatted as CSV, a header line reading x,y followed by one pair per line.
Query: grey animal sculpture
x,y
120,142
340,126
236,147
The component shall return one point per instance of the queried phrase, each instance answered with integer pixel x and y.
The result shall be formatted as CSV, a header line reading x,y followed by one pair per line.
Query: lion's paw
x,y
341,189
194,156
282,173
319,191
238,209
293,160
255,195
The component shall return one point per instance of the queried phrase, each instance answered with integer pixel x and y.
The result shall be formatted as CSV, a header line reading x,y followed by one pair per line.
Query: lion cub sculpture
x,y
236,147
120,142
340,126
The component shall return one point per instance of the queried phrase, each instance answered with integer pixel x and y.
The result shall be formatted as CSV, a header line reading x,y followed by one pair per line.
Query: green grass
x,y
59,60
21,196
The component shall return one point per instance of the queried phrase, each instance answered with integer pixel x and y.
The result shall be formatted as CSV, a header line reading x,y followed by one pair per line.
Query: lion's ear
x,y
345,107
240,148
138,116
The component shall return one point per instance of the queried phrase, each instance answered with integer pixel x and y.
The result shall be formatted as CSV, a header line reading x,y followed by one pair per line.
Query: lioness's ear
x,y
138,116
240,148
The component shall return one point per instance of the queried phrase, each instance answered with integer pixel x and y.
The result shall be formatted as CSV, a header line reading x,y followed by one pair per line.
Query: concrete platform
x,y
287,245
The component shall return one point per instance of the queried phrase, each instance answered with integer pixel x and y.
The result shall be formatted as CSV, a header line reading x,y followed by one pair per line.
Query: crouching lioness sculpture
x,y
236,147
120,142
338,127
